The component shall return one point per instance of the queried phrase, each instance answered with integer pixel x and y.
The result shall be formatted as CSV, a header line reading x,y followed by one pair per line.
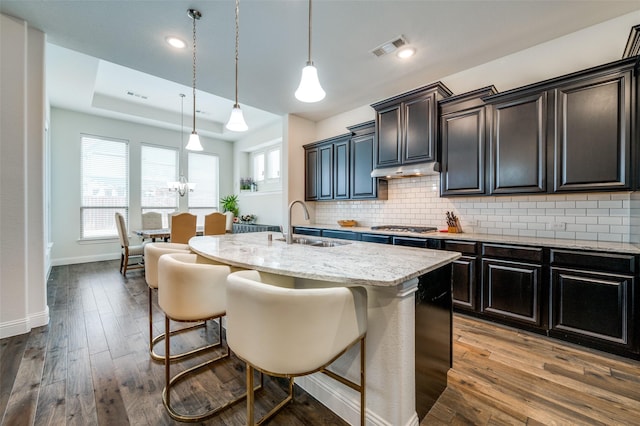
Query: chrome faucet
x,y
289,237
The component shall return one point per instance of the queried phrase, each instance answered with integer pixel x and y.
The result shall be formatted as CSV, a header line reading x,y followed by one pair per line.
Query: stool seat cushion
x,y
191,287
290,331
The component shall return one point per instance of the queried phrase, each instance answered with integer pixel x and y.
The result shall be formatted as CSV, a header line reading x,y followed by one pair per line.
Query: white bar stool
x,y
288,332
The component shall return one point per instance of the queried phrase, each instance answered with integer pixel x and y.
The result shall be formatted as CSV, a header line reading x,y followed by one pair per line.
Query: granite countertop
x,y
356,263
605,246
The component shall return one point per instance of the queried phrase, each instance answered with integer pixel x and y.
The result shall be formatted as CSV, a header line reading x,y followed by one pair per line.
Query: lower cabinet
x,y
464,279
344,235
512,289
594,306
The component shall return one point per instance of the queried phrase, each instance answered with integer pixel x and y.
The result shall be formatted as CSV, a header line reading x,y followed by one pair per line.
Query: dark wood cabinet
x,y
311,174
343,235
363,160
327,169
463,134
568,134
407,126
512,289
464,278
517,147
593,133
593,296
341,169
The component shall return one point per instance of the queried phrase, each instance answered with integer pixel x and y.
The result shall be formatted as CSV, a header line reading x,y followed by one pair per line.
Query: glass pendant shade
x,y
194,142
236,121
309,89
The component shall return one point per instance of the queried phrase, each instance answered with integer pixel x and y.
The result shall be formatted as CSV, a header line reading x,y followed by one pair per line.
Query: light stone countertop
x,y
604,246
356,263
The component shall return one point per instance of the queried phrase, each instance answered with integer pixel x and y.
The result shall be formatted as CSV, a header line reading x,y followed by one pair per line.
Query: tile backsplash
x,y
416,201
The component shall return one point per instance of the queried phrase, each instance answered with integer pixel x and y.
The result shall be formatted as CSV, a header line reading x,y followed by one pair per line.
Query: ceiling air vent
x,y
389,46
137,95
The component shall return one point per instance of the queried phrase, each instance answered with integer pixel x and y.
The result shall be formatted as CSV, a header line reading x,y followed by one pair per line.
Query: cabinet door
x,y
325,175
593,141
420,121
341,170
512,291
463,151
464,282
592,307
518,145
362,162
311,174
389,136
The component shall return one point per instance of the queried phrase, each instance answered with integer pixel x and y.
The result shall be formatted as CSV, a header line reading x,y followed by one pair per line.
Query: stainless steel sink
x,y
316,243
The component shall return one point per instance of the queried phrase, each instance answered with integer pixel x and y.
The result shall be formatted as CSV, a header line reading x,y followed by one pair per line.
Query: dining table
x,y
162,233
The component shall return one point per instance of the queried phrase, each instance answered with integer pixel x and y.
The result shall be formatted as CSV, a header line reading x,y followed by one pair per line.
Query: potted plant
x,y
230,204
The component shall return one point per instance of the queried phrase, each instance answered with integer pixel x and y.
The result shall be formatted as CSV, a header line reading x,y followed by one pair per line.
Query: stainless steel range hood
x,y
407,170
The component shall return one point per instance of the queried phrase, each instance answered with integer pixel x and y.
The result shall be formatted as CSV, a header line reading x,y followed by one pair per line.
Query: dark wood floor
x,y
90,366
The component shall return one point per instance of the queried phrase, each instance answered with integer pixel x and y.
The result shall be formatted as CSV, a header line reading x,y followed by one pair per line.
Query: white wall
x,y
297,132
266,205
66,129
604,217
22,233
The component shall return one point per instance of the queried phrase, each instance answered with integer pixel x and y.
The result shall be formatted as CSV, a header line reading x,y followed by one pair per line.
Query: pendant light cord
x,y
237,43
195,16
309,60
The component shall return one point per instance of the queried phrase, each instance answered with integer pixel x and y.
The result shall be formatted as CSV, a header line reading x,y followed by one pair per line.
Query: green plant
x,y
230,204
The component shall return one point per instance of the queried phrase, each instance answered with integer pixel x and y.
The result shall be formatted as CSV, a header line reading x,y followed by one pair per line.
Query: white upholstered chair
x,y
229,225
191,288
152,253
127,251
287,332
151,220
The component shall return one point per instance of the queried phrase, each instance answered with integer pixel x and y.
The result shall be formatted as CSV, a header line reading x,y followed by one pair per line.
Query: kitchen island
x,y
391,275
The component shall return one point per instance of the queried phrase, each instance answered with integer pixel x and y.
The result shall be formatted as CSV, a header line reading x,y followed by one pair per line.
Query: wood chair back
x,y
183,227
215,224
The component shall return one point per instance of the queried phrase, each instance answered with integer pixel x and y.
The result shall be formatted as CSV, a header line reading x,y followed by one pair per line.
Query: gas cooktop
x,y
405,228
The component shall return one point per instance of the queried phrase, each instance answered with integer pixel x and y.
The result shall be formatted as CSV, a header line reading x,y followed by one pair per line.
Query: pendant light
x,y
181,186
310,89
236,121
194,140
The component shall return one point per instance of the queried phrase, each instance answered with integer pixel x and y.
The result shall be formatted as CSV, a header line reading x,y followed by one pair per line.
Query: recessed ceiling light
x,y
405,53
176,42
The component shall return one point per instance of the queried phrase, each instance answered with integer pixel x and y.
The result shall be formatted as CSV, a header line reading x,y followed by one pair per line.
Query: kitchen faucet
x,y
289,237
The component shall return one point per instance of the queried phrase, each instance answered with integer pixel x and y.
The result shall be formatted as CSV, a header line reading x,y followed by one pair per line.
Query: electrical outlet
x,y
556,226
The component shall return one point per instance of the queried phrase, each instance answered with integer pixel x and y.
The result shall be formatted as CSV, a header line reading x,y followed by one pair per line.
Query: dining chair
x,y
215,224
151,220
127,252
229,225
182,227
287,332
192,288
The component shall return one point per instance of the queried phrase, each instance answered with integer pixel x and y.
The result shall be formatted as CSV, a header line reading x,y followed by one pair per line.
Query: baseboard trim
x,y
343,401
24,325
84,259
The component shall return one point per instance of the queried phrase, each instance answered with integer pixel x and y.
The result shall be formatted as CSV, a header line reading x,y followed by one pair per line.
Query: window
x,y
203,171
104,175
158,166
266,167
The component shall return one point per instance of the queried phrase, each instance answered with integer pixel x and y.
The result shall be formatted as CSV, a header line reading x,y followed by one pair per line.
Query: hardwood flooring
x,y
90,366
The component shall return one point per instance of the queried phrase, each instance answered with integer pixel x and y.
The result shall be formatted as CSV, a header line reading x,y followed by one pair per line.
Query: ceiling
x,y
99,50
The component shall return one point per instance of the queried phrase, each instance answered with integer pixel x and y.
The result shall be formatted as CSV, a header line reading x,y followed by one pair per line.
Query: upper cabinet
x,y
582,120
592,143
463,134
339,168
407,126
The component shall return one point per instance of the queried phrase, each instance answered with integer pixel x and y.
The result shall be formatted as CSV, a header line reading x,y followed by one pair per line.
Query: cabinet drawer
x,y
375,238
621,263
466,247
526,254
417,242
345,235
307,231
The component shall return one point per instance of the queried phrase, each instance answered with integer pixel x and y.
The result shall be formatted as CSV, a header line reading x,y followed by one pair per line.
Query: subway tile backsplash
x,y
416,201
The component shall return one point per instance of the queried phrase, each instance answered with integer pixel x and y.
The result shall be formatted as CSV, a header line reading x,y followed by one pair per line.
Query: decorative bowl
x,y
347,222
